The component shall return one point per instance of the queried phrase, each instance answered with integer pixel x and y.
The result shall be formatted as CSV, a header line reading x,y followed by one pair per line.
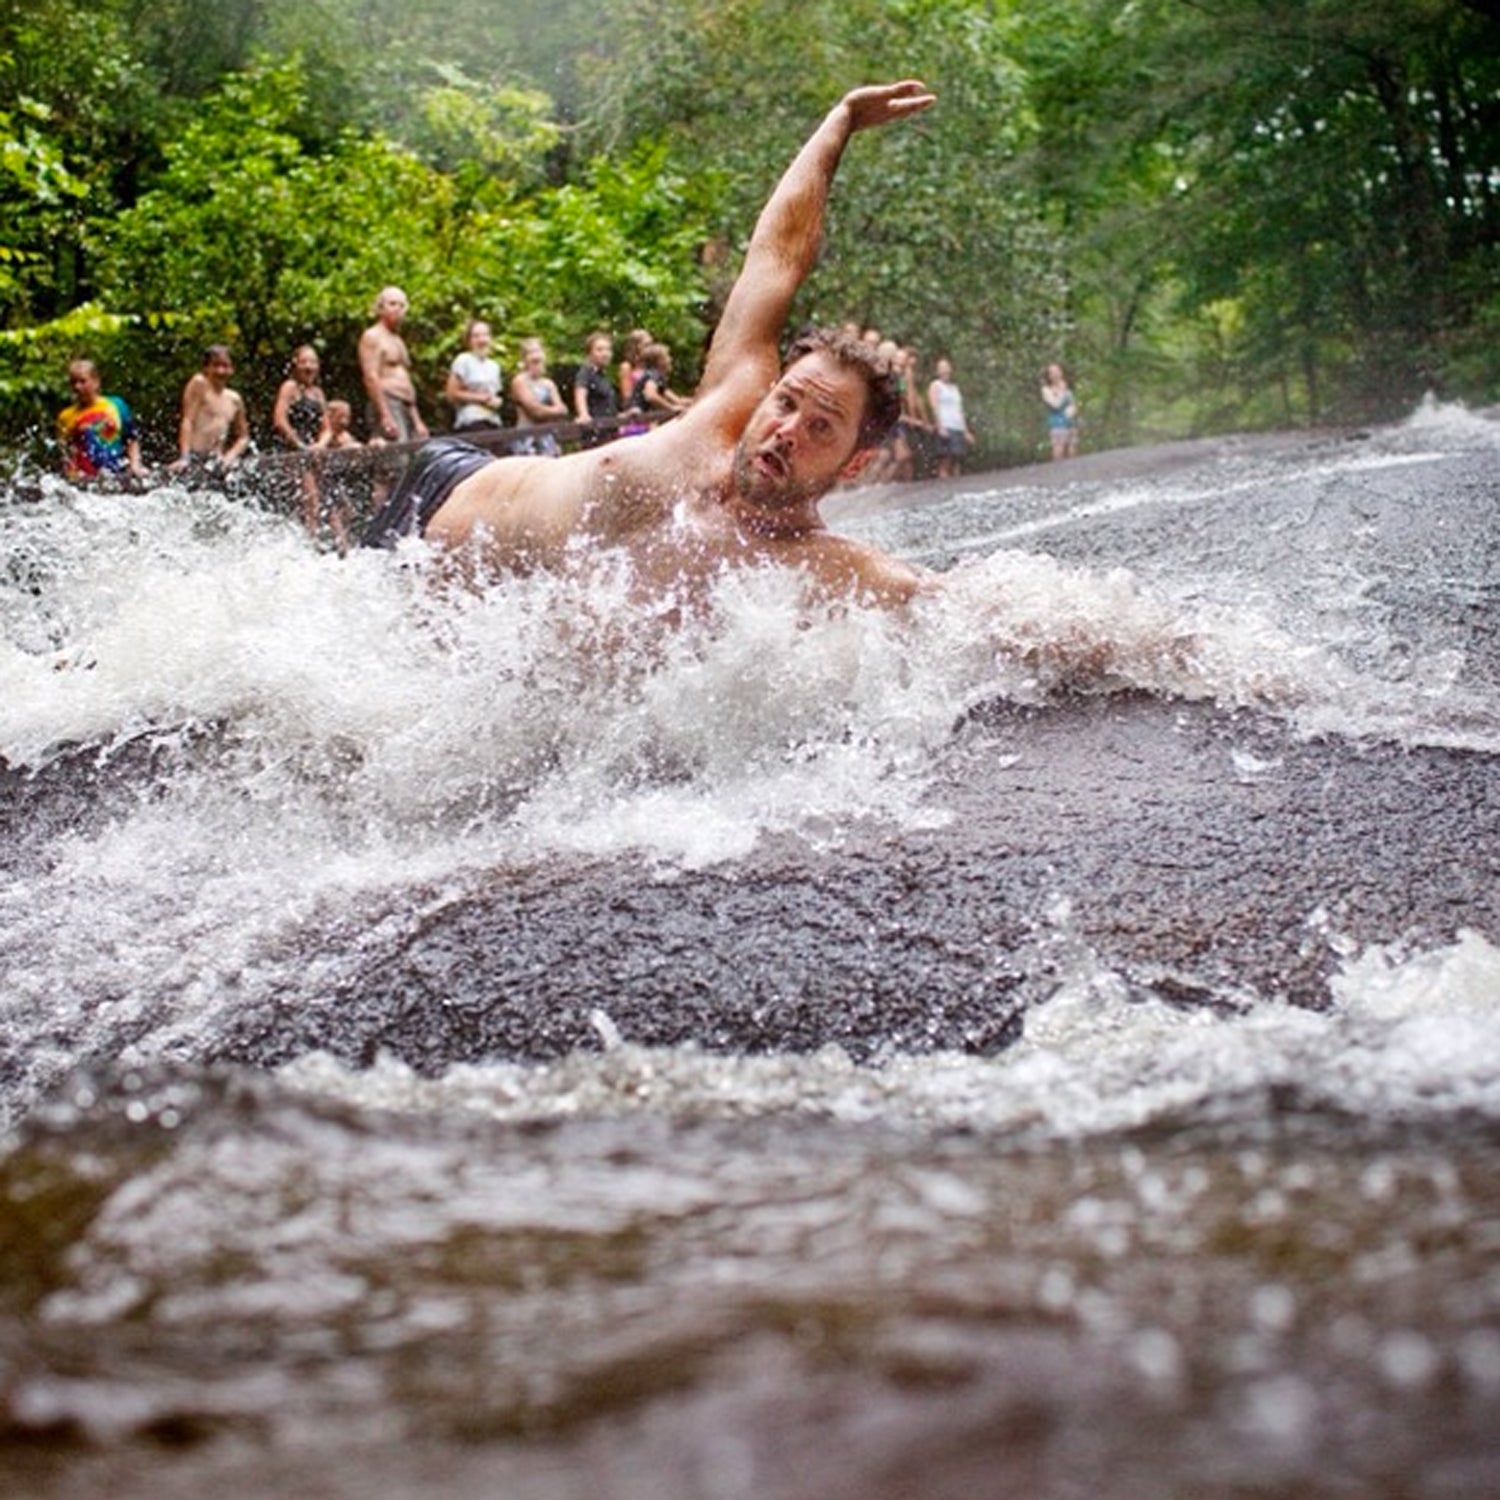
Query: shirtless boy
x,y
737,478
213,433
385,367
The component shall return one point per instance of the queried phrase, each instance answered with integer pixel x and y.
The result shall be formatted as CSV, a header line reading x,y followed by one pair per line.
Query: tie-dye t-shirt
x,y
95,437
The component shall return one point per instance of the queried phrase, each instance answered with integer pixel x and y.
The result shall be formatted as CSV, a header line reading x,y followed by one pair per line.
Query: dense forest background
x,y
1218,213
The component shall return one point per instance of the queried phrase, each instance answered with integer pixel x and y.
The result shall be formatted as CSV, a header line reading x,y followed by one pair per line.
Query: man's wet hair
x,y
882,394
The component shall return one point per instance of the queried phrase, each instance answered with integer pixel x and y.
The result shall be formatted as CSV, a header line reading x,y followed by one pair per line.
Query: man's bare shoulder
x,y
847,568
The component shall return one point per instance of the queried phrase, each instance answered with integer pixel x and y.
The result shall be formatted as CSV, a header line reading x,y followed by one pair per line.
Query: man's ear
x,y
857,463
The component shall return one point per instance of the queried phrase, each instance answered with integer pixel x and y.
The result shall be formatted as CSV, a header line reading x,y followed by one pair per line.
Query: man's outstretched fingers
x,y
878,104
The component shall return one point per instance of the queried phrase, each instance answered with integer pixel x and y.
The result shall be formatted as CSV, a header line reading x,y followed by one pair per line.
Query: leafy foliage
x,y
934,237
1225,213
1302,193
256,232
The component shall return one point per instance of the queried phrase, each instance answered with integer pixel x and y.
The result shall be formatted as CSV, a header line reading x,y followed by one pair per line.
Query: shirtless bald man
x,y
735,479
385,369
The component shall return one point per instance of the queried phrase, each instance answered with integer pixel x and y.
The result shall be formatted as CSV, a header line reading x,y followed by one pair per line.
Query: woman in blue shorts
x,y
1062,413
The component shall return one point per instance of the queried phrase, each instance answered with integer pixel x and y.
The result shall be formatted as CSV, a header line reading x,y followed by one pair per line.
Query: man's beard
x,y
762,489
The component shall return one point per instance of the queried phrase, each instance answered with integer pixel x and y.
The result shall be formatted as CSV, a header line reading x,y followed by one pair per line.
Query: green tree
x,y
252,237
74,104
1292,200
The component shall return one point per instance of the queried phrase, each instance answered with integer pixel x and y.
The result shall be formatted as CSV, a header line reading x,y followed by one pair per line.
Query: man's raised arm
x,y
789,232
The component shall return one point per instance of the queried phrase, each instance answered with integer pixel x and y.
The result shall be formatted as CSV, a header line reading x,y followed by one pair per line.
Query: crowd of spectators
x,y
100,441
99,438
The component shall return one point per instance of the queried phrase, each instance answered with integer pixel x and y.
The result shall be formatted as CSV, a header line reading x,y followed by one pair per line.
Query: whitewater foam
x,y
1409,1036
563,708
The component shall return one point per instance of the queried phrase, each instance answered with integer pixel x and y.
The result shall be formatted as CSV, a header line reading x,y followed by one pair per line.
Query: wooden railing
x,y
274,476
384,459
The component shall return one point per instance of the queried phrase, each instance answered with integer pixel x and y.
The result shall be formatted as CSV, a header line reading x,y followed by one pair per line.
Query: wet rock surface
x,y
1210,857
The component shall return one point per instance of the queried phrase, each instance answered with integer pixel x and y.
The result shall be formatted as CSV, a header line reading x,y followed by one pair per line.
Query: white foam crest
x,y
1450,426
1409,1037
547,714
168,919
1410,1034
762,718
163,610
1054,626
1393,982
415,706
1051,627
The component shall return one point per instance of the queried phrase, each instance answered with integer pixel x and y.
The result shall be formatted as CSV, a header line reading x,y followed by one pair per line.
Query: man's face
x,y
218,368
392,309
801,435
83,381
601,351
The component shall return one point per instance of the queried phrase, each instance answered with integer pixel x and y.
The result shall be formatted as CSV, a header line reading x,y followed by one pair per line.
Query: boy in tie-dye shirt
x,y
98,432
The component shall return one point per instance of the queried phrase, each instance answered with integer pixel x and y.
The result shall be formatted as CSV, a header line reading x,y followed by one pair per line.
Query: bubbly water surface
x,y
1152,1247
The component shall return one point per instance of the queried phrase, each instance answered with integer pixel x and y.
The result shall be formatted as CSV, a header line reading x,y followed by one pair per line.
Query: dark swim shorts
x,y
436,471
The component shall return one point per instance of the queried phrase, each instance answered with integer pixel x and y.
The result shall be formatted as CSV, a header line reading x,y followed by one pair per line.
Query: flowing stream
x,y
483,1044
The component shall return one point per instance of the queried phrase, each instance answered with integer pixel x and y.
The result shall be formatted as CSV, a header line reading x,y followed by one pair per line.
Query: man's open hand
x,y
880,103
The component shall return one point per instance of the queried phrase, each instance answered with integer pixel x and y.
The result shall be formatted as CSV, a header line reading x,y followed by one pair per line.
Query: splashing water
x,y
1045,1043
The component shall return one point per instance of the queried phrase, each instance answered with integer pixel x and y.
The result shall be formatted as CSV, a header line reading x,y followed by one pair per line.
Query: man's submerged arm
x,y
789,231
856,572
